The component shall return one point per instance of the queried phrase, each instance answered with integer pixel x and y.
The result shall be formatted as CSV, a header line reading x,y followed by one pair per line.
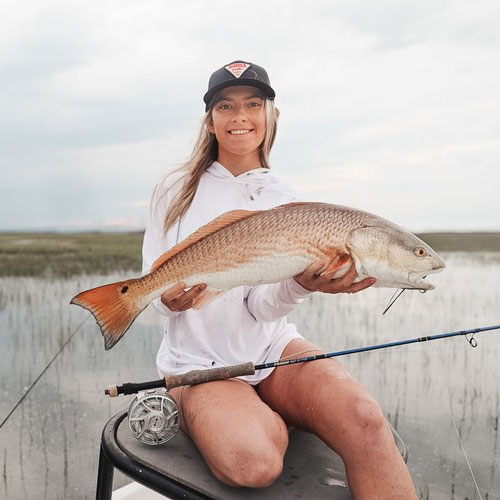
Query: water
x,y
49,447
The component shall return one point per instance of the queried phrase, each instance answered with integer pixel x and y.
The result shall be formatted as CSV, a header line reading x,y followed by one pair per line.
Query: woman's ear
x,y
211,127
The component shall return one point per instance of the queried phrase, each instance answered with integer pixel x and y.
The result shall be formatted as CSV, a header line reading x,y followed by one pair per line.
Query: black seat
x,y
177,470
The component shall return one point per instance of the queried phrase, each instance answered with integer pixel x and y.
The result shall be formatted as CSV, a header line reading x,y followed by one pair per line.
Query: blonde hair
x,y
204,154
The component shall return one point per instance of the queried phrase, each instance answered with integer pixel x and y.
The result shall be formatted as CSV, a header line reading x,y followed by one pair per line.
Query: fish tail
x,y
113,307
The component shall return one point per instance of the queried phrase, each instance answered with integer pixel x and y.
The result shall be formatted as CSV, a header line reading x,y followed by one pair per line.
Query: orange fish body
x,y
251,248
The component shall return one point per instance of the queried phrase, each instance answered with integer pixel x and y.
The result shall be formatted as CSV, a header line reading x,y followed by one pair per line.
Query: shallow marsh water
x,y
49,446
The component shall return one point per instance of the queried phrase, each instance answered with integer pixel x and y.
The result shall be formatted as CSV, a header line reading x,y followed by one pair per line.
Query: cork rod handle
x,y
201,376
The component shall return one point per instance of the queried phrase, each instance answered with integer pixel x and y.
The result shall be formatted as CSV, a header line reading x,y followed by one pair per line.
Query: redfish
x,y
268,246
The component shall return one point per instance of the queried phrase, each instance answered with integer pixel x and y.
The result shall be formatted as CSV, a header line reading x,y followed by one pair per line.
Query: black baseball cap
x,y
238,73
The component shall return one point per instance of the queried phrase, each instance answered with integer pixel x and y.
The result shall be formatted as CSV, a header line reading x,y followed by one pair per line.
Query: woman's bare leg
x,y
242,440
321,397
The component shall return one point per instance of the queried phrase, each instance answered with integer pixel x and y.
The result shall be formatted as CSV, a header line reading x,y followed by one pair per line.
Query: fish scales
x,y
288,230
250,248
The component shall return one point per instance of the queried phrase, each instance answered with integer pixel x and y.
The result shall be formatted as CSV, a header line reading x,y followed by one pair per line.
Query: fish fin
x,y
335,265
206,297
113,308
294,203
218,223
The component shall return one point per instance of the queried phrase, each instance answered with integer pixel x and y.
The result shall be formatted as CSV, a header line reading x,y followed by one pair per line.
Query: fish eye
x,y
420,252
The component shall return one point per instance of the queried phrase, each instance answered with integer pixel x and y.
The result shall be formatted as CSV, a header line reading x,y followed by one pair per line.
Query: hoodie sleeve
x,y
156,243
272,302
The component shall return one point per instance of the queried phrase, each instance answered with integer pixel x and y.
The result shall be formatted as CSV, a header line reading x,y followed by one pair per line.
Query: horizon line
x,y
135,229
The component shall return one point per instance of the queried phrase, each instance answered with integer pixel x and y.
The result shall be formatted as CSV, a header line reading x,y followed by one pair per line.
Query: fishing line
x,y
460,441
297,353
43,371
395,296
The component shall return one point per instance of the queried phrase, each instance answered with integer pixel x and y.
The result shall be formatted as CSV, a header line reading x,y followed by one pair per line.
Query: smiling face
x,y
239,124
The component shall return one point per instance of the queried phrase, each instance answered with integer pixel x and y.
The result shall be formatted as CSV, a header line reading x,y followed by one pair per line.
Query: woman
x,y
240,425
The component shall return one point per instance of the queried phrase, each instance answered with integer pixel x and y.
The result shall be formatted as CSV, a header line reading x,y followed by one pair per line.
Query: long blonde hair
x,y
204,154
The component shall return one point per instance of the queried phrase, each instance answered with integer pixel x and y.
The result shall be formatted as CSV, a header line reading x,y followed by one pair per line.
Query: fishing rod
x,y
211,374
47,366
154,416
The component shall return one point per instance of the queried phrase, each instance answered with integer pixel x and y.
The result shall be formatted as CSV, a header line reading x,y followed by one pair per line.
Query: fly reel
x,y
153,417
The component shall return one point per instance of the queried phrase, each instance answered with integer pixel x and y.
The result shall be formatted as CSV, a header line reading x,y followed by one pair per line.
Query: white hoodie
x,y
244,324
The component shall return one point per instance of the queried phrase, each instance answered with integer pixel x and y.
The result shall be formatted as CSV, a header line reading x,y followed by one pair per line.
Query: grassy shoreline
x,y
70,254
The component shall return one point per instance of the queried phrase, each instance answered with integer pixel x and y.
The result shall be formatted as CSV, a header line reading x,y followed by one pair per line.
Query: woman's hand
x,y
176,299
312,279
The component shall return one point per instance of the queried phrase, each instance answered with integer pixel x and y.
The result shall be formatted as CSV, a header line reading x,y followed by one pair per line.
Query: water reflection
x,y
50,444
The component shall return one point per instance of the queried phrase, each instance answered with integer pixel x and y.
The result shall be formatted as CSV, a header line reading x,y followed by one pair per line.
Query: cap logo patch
x,y
237,68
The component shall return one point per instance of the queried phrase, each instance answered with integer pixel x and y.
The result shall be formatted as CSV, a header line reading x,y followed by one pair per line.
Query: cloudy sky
x,y
390,106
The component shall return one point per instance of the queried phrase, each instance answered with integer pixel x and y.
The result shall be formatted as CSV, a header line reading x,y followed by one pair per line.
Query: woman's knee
x,y
252,467
256,461
242,440
366,426
357,413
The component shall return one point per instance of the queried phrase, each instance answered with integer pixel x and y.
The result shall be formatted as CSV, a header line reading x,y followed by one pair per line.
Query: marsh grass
x,y
463,242
68,254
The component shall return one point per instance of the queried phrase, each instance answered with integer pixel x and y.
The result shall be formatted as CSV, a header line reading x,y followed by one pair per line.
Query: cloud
x,y
139,203
383,104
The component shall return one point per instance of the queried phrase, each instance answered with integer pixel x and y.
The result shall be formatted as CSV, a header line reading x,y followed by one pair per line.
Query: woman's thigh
x,y
242,440
320,397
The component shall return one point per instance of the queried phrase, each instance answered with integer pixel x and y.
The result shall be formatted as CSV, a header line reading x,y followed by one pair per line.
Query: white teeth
x,y
238,132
